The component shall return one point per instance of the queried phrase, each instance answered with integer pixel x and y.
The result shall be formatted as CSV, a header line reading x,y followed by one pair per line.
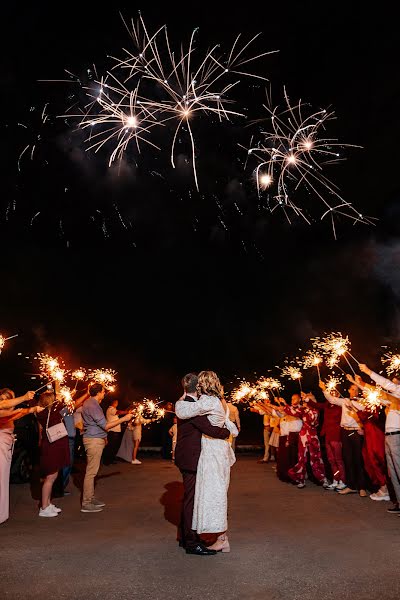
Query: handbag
x,y
55,432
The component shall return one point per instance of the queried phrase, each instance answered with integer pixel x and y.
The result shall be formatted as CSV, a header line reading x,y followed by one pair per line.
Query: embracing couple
x,y
204,456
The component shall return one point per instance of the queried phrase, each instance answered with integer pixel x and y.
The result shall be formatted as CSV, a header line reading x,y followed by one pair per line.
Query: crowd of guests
x,y
340,443
99,432
344,444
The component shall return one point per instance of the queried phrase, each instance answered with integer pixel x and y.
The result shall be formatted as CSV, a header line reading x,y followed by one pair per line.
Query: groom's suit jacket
x,y
188,443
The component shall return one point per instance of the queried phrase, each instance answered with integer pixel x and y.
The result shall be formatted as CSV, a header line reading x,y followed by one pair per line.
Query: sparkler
x,y
334,346
392,362
3,340
107,377
373,399
67,399
293,153
293,372
244,393
78,374
312,359
148,409
153,85
331,384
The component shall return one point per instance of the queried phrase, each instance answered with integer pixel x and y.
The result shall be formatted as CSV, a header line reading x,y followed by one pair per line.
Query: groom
x,y
187,454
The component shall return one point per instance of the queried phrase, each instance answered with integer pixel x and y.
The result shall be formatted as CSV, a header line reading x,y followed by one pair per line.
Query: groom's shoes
x,y
200,549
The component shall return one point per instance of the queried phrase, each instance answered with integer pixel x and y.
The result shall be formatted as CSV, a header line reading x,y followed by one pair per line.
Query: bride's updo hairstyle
x,y
209,384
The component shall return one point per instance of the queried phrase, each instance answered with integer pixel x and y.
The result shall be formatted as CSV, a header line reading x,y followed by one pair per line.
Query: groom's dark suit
x,y
187,454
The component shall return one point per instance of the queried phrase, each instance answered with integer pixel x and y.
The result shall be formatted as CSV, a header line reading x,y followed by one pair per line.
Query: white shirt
x,y
290,425
111,415
393,416
347,419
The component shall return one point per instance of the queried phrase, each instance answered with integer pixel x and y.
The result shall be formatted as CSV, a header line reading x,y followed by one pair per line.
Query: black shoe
x,y
200,550
181,544
395,510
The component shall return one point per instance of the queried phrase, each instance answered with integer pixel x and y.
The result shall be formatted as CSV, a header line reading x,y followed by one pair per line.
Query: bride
x,y
210,514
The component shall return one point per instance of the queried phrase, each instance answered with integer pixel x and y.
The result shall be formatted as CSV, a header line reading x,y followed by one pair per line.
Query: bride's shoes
x,y
221,545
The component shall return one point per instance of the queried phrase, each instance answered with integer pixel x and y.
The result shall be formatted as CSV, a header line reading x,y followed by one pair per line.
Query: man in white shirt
x,y
392,431
352,435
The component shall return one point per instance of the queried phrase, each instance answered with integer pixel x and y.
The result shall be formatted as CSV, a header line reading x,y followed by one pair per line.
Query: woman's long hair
x,y
209,384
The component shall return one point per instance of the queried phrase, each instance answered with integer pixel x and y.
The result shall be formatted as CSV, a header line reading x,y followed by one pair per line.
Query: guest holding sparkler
x,y
374,443
54,456
94,440
114,435
333,444
352,435
7,418
137,429
69,422
290,427
392,430
308,443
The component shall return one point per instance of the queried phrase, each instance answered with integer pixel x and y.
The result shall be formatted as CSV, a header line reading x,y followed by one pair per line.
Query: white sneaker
x,y
301,485
341,485
332,486
136,462
58,510
325,483
48,512
377,496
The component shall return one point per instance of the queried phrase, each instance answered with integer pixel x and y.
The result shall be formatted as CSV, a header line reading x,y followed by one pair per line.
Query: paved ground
x,y
286,543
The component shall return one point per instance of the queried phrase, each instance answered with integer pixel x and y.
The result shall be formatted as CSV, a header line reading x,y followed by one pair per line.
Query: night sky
x,y
132,268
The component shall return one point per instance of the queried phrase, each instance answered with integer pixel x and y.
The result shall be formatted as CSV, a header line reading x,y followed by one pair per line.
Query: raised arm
x,y
388,385
4,404
187,410
203,424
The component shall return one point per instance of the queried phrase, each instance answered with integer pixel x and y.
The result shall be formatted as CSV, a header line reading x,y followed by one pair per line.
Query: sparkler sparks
x,y
244,393
78,374
334,346
107,377
153,85
292,372
67,399
373,399
3,340
332,384
293,153
392,362
148,409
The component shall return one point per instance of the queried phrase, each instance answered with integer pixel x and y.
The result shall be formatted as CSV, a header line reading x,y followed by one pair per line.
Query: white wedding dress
x,y
210,513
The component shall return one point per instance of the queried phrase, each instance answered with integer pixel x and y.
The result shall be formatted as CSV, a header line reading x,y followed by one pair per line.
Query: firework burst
x,y
293,154
153,85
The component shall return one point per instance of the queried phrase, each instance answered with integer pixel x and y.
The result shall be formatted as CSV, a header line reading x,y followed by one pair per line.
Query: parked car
x,y
26,449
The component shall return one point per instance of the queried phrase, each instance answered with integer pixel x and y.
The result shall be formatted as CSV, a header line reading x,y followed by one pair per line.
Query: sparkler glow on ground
x,y
154,85
292,154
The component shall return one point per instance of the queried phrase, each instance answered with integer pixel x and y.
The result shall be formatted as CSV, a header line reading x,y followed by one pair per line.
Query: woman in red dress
x,y
53,456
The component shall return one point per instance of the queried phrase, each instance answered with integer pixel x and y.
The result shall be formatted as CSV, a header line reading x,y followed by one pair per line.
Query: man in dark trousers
x,y
187,454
